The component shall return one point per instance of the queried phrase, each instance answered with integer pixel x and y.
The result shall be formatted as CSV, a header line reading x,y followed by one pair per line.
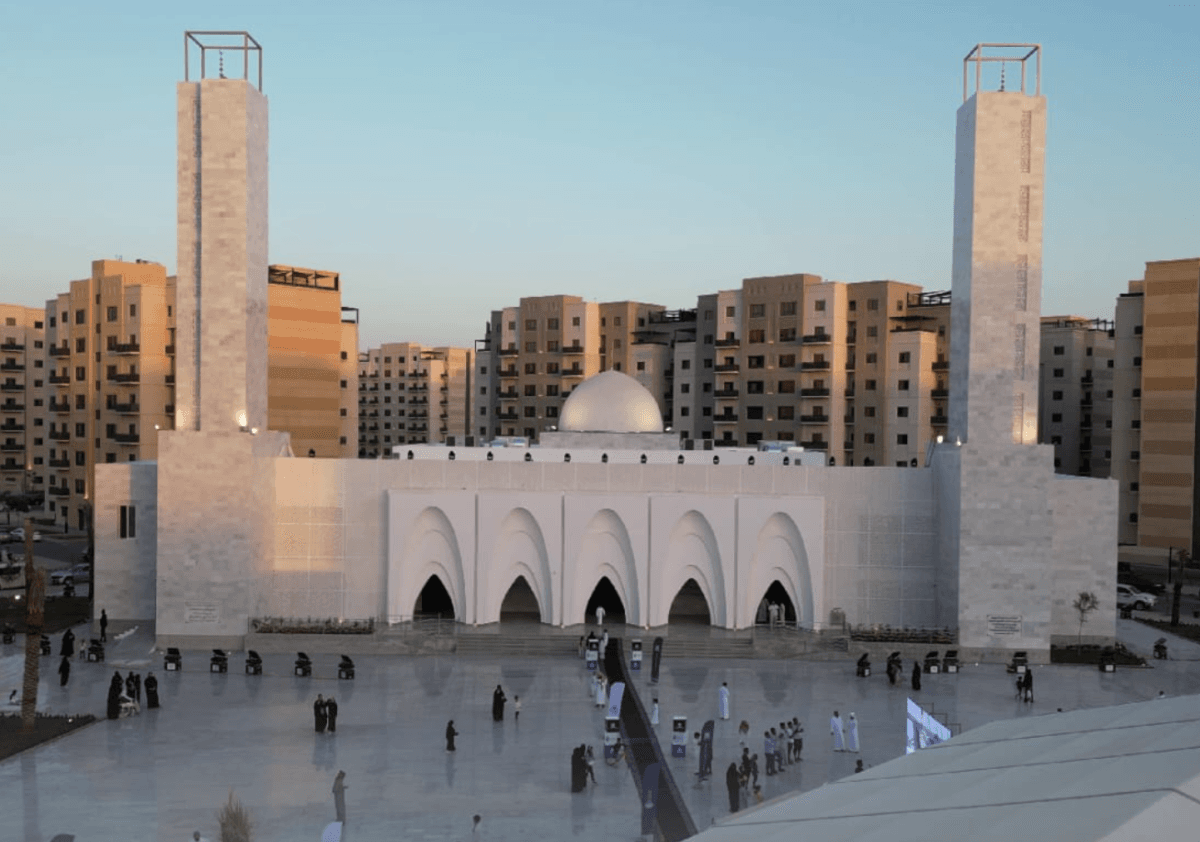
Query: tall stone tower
x,y
215,495
997,269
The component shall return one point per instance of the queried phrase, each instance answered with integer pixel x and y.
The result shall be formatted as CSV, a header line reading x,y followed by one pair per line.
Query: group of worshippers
x,y
1025,686
125,694
325,713
66,650
844,738
782,748
583,762
770,613
895,668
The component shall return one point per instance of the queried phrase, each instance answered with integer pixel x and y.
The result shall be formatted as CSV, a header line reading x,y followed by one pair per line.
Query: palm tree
x,y
1085,603
35,617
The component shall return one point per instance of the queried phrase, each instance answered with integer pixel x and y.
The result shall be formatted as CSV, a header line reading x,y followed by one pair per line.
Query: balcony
x,y
11,466
60,351
11,427
573,371
169,379
12,366
727,368
849,393
851,337
941,365
729,342
1085,425
1086,402
814,419
126,348
169,350
814,393
131,408
129,377
507,372
508,395
418,413
420,400
12,407
63,408
59,463
419,387
169,409
1086,380
11,347
12,447
125,438
814,445
60,491
59,435
56,379
727,392
573,348
817,365
816,339
940,393
507,416
727,418
848,419
507,352
939,420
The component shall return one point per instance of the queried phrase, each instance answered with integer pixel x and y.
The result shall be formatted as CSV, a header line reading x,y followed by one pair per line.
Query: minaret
x,y
221,298
997,269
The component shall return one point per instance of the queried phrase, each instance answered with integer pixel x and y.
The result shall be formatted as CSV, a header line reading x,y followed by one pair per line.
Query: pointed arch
x,y
520,602
689,605
520,550
692,553
430,549
605,550
606,594
779,555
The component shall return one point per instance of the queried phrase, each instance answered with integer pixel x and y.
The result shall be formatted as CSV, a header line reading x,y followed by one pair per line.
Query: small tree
x,y
1085,604
234,821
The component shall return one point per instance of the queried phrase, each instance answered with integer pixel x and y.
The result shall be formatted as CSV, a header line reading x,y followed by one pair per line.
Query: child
x,y
758,796
516,709
743,732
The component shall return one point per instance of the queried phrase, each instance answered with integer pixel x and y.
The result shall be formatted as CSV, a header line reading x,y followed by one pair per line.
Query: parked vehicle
x,y
1128,597
78,573
18,534
1141,583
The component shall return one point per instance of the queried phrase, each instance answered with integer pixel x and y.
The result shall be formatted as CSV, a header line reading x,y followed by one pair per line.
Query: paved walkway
x,y
163,774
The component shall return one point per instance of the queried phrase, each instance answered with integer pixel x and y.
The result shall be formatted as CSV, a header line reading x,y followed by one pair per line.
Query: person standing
x,y
151,690
331,711
654,713
835,728
603,645
763,609
769,752
68,644
1027,684
723,700
601,691
799,730
339,796
916,675
319,714
733,783
103,625
789,740
779,764
743,732
137,687
852,734
64,671
599,615
450,735
130,690
114,696
589,758
498,700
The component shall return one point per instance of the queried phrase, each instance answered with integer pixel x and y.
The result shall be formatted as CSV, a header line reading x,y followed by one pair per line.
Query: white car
x,y
18,534
75,575
1129,597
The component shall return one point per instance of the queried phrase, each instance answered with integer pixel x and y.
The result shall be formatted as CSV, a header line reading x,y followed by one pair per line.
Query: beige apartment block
x,y
312,352
1155,415
411,394
1075,395
22,397
534,354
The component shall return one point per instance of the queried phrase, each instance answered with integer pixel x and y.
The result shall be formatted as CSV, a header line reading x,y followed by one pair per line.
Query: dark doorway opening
x,y
689,606
605,594
776,595
520,605
434,601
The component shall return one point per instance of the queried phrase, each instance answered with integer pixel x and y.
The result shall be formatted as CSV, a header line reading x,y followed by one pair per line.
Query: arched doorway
x,y
689,606
605,594
520,605
434,601
776,595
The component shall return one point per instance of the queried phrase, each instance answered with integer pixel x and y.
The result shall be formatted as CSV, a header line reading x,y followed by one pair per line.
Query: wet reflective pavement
x,y
165,773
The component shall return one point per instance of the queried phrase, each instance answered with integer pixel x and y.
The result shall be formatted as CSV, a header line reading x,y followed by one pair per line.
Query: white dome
x,y
611,402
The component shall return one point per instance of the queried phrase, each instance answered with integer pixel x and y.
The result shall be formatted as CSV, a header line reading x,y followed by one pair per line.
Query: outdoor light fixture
x,y
957,441
939,439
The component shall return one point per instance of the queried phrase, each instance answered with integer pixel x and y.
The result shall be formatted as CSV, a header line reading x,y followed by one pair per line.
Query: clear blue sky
x,y
450,157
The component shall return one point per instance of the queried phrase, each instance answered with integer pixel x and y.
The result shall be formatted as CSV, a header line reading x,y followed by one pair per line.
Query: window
x,y
79,486
757,337
868,438
1133,486
531,324
530,390
616,367
903,385
81,401
483,369
819,305
872,303
684,411
902,438
754,413
730,312
787,334
552,391
872,331
872,358
685,388
80,345
53,321
132,310
706,388
531,347
80,373
902,412
110,458
531,412
552,345
128,522
1058,372
483,410
1059,350
551,324
868,412
756,362
1056,439
1137,361
531,368
574,321
1088,352
787,360
552,368
1056,417
512,325
706,411
552,412
1056,395
786,387
785,412
483,390
788,308
111,314
869,385
708,339
1137,393
345,384
616,344
754,387
853,306
641,366
905,357
685,365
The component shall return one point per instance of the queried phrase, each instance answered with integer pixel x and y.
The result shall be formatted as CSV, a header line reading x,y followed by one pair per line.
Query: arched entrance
x,y
689,606
520,605
606,595
776,595
434,601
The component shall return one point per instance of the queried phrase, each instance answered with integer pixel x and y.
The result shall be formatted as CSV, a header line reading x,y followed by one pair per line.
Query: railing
x,y
125,438
169,350
815,365
126,348
726,368
131,408
11,347
941,365
59,435
815,445
507,372
57,379
12,366
12,407
59,463
728,342
12,448
814,393
814,419
939,420
725,419
126,377
940,393
11,427
573,371
725,393
816,338
60,351
574,348
59,491
507,352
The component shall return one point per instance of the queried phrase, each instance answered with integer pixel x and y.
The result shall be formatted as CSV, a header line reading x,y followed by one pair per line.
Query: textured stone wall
x,y
125,567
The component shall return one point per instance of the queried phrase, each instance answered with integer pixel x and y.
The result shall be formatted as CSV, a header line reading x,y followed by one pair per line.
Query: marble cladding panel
x,y
292,540
884,550
1085,554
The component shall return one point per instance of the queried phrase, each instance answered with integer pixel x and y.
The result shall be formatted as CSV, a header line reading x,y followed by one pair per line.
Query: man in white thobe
x,y
600,615
839,736
601,692
852,734
723,700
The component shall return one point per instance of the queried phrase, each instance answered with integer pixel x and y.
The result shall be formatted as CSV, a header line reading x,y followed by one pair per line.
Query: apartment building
x,y
312,362
411,394
534,354
652,359
110,373
22,396
1155,408
1075,393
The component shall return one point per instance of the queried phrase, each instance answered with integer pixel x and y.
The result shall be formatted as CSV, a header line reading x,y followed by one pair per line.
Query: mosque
x,y
984,538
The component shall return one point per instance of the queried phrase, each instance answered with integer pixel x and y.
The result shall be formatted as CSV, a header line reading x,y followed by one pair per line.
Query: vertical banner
x,y
679,736
615,693
635,661
593,654
649,799
706,749
656,659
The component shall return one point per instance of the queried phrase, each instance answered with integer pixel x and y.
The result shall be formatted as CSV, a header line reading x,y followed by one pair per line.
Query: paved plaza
x,y
164,773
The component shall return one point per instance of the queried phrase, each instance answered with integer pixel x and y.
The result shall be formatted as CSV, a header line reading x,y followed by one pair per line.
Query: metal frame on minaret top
x,y
248,45
1005,54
